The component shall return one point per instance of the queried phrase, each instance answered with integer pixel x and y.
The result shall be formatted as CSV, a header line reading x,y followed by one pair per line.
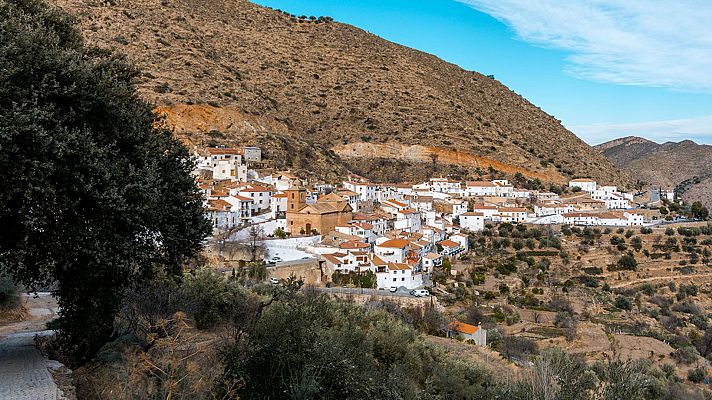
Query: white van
x,y
420,293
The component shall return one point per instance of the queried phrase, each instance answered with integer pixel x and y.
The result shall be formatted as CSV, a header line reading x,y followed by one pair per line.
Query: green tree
x,y
637,243
628,262
95,197
623,303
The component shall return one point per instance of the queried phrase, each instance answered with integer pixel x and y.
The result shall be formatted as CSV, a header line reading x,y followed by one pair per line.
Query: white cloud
x,y
665,43
698,129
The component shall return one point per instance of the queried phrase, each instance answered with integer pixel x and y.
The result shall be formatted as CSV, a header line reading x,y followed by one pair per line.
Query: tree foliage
x,y
95,197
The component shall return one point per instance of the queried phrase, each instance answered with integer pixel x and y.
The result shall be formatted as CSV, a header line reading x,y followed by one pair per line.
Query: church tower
x,y
296,198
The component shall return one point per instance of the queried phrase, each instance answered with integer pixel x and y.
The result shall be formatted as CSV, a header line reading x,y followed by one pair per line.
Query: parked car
x,y
275,260
274,281
393,289
420,293
306,258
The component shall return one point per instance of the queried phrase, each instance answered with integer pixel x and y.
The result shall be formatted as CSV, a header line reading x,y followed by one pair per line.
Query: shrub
x,y
623,303
696,375
210,298
686,355
341,350
517,348
9,295
559,303
627,262
567,323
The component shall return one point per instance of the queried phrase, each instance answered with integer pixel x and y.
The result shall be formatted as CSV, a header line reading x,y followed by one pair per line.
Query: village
x,y
397,234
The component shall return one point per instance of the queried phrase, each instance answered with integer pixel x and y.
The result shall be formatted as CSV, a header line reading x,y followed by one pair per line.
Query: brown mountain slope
x,y
686,165
328,97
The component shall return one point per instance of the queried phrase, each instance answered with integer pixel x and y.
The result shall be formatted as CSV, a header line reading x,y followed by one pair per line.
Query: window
x,y
395,279
402,279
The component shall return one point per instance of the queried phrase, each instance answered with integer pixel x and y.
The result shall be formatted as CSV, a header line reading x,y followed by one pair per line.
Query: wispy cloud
x,y
666,43
697,129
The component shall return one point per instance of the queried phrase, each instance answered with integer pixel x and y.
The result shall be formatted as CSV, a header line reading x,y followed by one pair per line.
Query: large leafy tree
x,y
93,197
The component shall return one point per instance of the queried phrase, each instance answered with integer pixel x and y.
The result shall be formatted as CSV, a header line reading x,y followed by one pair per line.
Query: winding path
x,y
24,371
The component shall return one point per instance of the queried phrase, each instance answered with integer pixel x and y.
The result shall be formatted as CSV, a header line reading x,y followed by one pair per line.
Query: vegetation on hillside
x,y
233,72
291,342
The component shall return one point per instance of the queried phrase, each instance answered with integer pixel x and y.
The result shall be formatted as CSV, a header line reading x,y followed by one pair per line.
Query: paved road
x,y
383,293
24,371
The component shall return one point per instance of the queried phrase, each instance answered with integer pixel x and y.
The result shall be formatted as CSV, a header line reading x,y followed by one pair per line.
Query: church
x,y
324,216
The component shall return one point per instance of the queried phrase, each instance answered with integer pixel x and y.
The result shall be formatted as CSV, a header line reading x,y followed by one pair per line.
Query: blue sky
x,y
605,68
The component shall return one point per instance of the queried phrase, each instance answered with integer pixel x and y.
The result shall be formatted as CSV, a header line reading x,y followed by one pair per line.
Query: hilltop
x,y
685,165
327,97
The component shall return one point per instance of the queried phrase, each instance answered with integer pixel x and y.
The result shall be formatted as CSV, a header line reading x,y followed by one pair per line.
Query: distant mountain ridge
x,y
685,164
329,98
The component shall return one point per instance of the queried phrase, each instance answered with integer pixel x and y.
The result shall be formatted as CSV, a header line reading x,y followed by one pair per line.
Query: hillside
x,y
685,164
328,97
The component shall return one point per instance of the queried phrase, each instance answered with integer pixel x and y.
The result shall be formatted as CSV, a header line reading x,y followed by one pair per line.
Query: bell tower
x,y
296,198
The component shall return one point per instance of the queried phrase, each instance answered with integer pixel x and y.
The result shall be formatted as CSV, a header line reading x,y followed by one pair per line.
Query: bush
x,y
686,355
211,299
341,350
696,375
517,348
627,262
567,323
10,299
623,303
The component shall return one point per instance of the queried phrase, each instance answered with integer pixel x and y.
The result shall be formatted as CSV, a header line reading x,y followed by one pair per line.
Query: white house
x,y
553,209
480,188
261,197
407,220
459,207
617,202
467,332
612,219
422,203
450,247
431,261
520,194
365,190
634,219
586,184
223,163
433,233
278,204
222,215
379,224
511,214
242,205
444,185
503,187
397,275
349,261
462,240
361,229
487,211
353,198
580,218
392,250
393,206
472,221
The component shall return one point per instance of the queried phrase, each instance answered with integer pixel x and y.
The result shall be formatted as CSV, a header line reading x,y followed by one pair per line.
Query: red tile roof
x,y
448,243
395,244
463,327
